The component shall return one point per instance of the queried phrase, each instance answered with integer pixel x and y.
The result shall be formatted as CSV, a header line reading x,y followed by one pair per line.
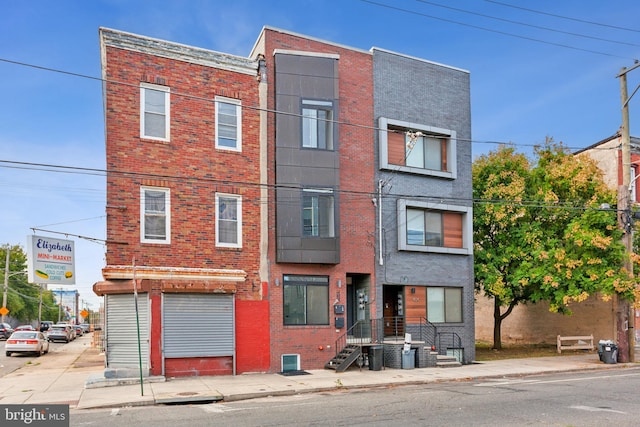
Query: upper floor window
x,y
318,213
228,124
425,152
431,227
155,215
154,112
228,220
317,124
418,149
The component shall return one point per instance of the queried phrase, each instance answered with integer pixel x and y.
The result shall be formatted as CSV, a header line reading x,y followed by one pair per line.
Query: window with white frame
x,y
306,300
317,124
434,227
155,215
228,220
228,124
318,213
417,149
154,112
444,305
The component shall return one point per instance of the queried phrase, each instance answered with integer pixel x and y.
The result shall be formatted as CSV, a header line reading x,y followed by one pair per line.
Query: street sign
x,y
84,313
4,311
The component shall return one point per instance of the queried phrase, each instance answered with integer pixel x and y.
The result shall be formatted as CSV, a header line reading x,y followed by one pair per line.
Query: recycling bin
x,y
408,359
376,354
610,353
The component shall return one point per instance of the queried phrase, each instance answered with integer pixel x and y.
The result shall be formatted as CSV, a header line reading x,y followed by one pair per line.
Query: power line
x,y
366,195
525,24
261,109
616,27
491,30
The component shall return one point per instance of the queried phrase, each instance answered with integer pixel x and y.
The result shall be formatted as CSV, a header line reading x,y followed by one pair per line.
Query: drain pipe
x,y
381,260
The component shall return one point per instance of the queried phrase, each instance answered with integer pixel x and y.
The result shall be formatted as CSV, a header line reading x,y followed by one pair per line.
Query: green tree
x,y
23,298
541,233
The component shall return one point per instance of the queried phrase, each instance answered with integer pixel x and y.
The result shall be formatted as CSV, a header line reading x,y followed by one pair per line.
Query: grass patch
x,y
484,352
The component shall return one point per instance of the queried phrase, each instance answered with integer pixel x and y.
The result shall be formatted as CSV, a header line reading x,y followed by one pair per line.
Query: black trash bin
x,y
610,353
376,355
601,345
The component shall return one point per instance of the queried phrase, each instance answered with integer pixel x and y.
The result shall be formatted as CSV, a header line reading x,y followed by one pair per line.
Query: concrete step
x,y
448,364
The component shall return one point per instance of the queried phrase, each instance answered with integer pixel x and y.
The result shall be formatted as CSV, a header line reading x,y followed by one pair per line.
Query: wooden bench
x,y
575,343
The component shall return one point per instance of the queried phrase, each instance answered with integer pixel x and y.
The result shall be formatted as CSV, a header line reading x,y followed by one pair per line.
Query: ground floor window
x,y
306,300
444,305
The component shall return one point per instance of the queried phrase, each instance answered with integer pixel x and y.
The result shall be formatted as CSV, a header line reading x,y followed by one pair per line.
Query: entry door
x,y
393,310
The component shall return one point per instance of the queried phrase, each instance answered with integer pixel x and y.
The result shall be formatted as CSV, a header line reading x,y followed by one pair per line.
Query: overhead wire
x,y
584,21
525,24
492,30
262,109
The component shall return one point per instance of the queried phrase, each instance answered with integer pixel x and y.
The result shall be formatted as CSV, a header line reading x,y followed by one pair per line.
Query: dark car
x,y
5,330
45,325
79,330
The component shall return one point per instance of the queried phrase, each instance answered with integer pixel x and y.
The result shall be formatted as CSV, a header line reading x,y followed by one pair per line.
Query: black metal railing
x,y
388,328
448,340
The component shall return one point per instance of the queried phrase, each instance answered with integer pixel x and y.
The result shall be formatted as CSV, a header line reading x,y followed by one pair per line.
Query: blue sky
x,y
534,74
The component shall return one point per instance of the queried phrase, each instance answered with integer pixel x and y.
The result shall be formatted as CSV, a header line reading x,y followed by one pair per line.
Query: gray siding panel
x,y
301,77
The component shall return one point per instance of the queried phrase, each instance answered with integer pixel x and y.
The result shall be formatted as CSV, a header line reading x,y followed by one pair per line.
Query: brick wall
x,y
535,324
316,344
189,165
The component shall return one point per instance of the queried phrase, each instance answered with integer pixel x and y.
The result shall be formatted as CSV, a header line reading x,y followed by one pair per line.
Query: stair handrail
x,y
455,341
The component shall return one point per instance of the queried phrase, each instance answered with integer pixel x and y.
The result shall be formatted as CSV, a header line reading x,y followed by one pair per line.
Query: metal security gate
x,y
121,337
198,325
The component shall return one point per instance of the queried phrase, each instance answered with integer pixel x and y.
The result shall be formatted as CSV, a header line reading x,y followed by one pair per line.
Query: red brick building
x,y
243,202
322,226
183,210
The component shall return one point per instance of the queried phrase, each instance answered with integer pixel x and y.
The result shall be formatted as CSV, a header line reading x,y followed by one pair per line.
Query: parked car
x,y
24,328
72,330
27,342
79,330
85,327
5,330
59,333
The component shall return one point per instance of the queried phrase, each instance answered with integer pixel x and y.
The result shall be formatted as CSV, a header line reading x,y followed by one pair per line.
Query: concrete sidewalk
x,y
73,375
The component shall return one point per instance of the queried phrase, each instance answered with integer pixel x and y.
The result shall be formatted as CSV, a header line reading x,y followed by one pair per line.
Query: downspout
x,y
381,260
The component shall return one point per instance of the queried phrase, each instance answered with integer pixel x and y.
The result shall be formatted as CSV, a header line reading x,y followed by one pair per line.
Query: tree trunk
x,y
497,325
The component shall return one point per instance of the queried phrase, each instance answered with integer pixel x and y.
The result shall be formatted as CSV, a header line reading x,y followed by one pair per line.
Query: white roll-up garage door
x,y
198,325
122,334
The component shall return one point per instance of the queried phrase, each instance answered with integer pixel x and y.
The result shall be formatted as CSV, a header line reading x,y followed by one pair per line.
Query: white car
x,y
27,342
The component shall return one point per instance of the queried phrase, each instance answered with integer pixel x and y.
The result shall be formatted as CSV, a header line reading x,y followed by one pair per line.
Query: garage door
x,y
121,331
198,325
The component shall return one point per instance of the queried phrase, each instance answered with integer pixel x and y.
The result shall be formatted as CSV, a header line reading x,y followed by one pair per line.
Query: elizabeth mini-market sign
x,y
50,261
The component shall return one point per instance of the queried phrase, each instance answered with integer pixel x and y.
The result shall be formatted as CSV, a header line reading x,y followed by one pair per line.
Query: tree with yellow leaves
x,y
542,232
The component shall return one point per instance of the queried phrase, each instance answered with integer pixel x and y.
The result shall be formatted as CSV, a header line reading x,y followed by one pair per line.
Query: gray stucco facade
x,y
424,99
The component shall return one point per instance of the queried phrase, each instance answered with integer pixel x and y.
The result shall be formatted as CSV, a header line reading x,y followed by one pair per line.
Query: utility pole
x,y
625,312
6,282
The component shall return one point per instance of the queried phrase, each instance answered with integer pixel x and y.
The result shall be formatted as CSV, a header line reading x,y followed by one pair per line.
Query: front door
x,y
393,310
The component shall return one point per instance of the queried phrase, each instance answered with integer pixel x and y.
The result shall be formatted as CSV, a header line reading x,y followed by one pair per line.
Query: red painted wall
x,y
198,366
252,336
